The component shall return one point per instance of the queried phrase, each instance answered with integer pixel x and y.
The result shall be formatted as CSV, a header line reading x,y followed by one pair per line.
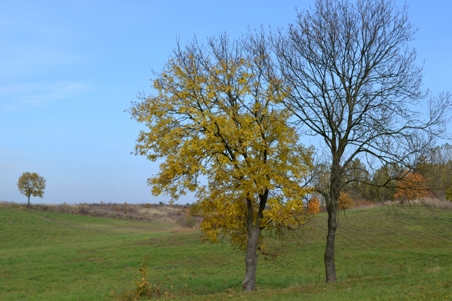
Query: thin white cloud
x,y
24,60
24,96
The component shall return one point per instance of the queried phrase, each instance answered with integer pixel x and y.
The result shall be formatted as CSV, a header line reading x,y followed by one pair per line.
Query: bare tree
x,y
354,82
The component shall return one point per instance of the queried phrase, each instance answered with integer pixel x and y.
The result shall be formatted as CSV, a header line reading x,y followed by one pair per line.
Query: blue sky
x,y
69,69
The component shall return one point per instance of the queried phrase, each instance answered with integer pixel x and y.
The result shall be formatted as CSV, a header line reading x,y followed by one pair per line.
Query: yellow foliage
x,y
345,201
449,195
31,184
214,117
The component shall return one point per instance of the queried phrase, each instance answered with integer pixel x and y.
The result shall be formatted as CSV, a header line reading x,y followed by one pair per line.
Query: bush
x,y
313,205
345,201
144,288
83,209
187,221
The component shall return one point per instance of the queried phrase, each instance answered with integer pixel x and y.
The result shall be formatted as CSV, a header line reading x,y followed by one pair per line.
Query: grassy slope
x,y
403,254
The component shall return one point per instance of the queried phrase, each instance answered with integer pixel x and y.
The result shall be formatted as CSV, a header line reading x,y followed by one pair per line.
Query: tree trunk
x,y
332,207
330,266
249,283
254,232
28,201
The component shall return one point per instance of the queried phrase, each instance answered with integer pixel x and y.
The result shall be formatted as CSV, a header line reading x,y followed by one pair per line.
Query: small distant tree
x,y
345,201
411,187
384,181
313,205
436,167
31,184
357,180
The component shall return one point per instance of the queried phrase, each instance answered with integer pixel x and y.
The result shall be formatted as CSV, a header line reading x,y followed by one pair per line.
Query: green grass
x,y
381,254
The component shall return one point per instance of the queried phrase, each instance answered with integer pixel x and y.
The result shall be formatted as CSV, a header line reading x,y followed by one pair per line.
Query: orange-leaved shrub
x,y
313,205
345,201
411,187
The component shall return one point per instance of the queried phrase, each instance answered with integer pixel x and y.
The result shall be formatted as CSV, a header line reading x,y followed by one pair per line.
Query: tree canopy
x,y
31,184
218,115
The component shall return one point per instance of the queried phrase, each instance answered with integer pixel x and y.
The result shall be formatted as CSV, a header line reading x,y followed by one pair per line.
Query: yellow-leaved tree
x,y
412,186
217,114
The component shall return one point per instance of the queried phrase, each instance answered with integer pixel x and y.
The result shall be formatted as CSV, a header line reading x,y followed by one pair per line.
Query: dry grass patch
x,y
177,214
435,202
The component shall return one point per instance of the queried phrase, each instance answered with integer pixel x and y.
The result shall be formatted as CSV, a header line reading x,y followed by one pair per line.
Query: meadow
x,y
382,253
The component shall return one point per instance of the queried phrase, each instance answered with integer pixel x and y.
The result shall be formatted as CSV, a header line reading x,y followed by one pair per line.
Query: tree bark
x,y
330,266
254,231
249,283
337,173
28,202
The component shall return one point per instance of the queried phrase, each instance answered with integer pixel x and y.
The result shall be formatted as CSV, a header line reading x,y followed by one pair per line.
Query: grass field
x,y
381,254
